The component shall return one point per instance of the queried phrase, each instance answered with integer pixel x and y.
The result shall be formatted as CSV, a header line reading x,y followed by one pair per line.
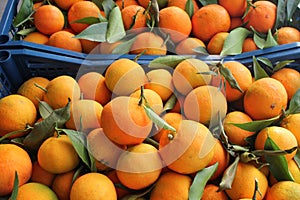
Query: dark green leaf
x,y
277,164
297,158
234,42
259,72
44,109
226,73
95,32
207,2
256,125
115,28
294,105
282,64
124,47
229,175
98,3
200,180
201,50
270,41
281,14
24,13
15,188
87,20
291,8
189,7
108,5
169,61
274,152
93,167
139,195
169,105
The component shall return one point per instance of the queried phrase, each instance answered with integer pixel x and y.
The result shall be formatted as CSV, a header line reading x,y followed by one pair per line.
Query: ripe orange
x,y
265,98
36,37
286,35
175,22
16,113
235,8
187,75
134,18
107,48
65,40
48,19
244,182
93,186
290,79
89,47
261,16
182,3
122,4
65,5
121,191
124,121
235,22
215,44
284,190
291,122
40,175
282,137
34,190
211,193
210,20
13,159
249,45
187,46
62,184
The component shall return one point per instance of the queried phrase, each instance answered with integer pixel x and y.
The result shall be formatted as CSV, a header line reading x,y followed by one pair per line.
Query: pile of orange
x,y
172,27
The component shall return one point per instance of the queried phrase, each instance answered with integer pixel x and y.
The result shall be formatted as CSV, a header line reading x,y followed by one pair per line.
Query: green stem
x,y
152,142
42,88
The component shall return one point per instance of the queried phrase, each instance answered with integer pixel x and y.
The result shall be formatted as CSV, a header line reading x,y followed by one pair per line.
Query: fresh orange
x,y
284,190
13,159
65,40
57,155
36,37
216,43
187,75
249,45
235,8
30,90
80,10
170,186
121,191
211,193
286,35
148,43
122,3
93,186
261,16
124,76
40,175
175,22
291,122
16,113
182,3
210,20
107,48
92,86
124,121
204,103
265,98
62,184
189,149
34,190
89,46
134,18
60,90
65,5
49,19
290,79
187,46
235,22
282,137
37,5
235,134
243,184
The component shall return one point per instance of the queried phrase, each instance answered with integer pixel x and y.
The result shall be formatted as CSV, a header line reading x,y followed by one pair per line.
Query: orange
x,y
244,182
187,46
36,37
107,48
30,90
92,86
16,113
182,3
139,166
35,191
122,4
215,44
286,35
265,98
187,75
249,45
210,20
124,121
93,186
261,16
134,18
290,79
291,122
37,5
235,8
13,159
57,155
124,76
235,22
60,90
65,40
188,150
49,19
282,137
62,184
40,175
160,81
121,191
80,10
211,193
235,134
204,103
65,5
170,186
89,46
149,43
175,22
85,115
284,190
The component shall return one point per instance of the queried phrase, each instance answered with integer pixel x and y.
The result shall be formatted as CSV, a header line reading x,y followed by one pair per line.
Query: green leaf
x,y
79,143
108,5
201,50
124,47
273,152
14,193
280,14
259,41
87,20
94,32
291,8
200,180
277,164
45,109
297,158
282,64
24,13
115,28
226,73
189,7
169,105
259,72
294,105
26,31
229,175
169,61
256,125
207,2
265,61
234,42
139,195
270,41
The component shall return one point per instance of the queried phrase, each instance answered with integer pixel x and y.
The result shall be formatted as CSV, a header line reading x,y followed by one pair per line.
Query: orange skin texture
x,y
249,45
33,190
62,185
128,13
182,3
65,5
235,8
36,37
40,175
187,45
286,35
291,122
211,193
284,190
65,40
